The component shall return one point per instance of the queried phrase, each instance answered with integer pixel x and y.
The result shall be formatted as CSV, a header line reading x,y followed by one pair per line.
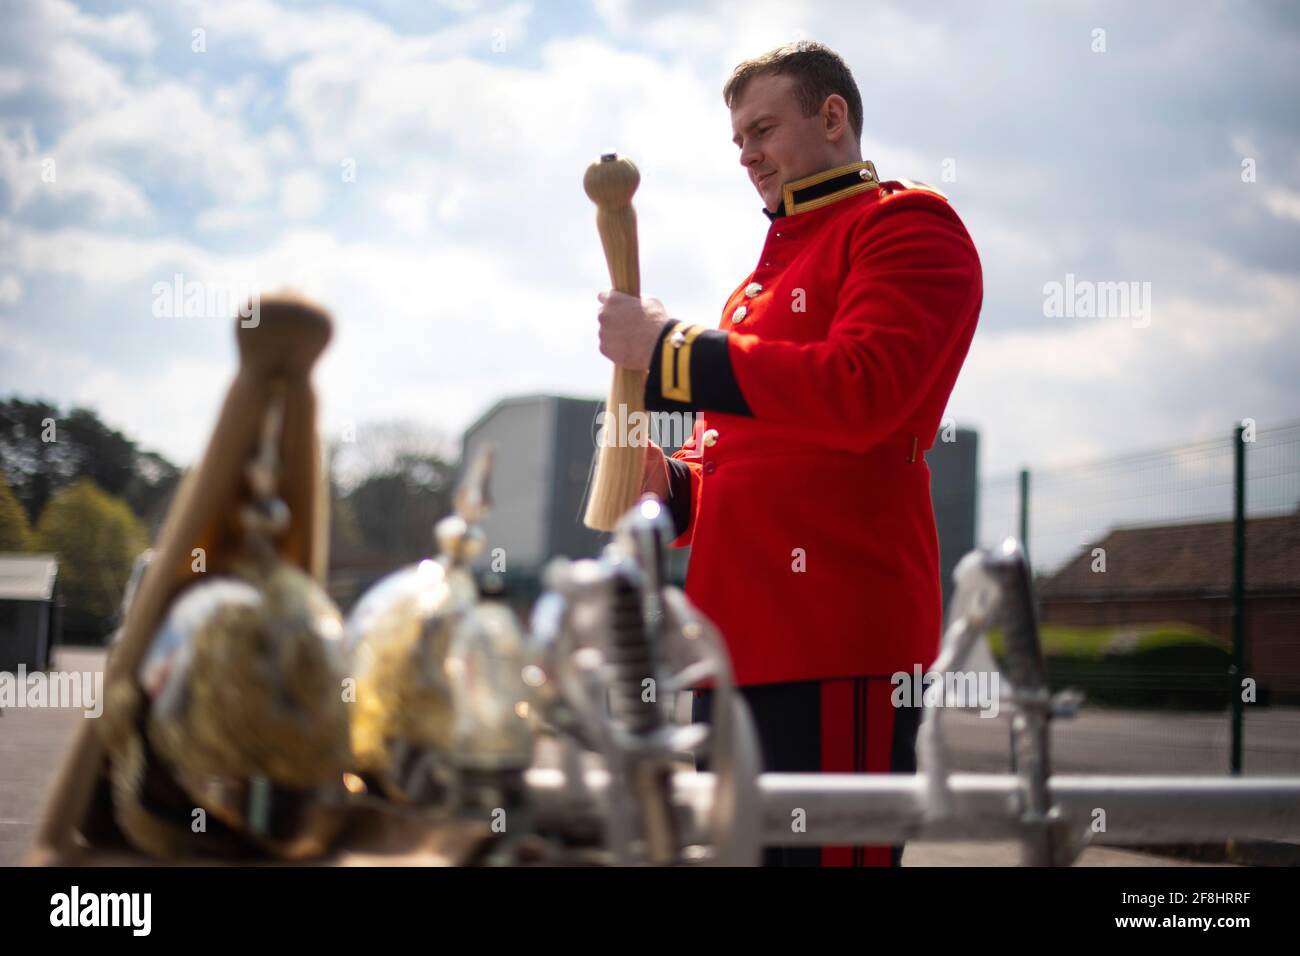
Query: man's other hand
x,y
654,477
629,328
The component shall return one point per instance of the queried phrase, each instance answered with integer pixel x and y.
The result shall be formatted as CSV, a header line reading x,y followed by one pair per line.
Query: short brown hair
x,y
818,72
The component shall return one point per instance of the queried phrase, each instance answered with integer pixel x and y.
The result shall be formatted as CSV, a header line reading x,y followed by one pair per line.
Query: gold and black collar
x,y
824,188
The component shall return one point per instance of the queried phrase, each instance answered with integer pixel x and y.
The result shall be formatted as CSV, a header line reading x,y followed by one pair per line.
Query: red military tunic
x,y
804,492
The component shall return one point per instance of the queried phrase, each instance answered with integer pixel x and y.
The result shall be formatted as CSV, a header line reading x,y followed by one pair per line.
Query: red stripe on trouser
x,y
857,731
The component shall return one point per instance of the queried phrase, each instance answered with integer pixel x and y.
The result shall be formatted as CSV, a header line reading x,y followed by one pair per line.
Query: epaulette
x,y
897,185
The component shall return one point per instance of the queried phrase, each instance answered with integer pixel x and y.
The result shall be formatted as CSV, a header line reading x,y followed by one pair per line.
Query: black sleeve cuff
x,y
693,374
679,494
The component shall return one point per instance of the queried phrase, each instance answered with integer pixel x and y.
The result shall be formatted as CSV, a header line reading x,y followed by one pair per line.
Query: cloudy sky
x,y
1154,143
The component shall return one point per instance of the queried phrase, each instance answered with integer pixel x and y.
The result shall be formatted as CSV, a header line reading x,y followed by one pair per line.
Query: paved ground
x,y
1141,742
32,743
1116,741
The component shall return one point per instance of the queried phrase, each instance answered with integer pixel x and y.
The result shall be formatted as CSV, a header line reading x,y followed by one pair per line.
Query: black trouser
x,y
841,725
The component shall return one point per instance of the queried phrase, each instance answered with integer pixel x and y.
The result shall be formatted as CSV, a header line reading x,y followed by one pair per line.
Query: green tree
x,y
396,511
34,465
42,450
347,544
96,538
15,531
151,487
391,481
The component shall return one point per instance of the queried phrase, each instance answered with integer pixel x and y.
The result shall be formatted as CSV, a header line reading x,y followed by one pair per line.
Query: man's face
x,y
777,142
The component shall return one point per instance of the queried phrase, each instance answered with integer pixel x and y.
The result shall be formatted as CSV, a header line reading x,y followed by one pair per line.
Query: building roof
x,y
534,398
1183,558
27,577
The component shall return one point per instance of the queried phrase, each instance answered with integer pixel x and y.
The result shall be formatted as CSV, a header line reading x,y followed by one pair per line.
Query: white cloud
x,y
1283,203
11,290
178,399
1244,146
96,258
301,195
223,219
33,176
278,33
614,13
719,36
11,81
410,211
129,31
1072,389
168,132
79,78
123,137
462,263
54,52
446,328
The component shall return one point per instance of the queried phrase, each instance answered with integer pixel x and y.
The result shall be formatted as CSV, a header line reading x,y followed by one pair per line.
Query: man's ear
x,y
835,117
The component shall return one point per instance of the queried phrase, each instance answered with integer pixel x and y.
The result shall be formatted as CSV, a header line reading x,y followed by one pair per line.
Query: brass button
x,y
710,467
678,339
739,315
710,437
752,290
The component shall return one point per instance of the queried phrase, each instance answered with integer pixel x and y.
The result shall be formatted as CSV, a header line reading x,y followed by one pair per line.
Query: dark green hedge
x,y
1156,666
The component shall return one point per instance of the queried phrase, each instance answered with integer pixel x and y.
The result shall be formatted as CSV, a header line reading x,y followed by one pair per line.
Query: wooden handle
x,y
278,351
610,183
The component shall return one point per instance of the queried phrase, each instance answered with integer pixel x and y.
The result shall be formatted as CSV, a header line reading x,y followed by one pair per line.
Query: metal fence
x,y
1169,591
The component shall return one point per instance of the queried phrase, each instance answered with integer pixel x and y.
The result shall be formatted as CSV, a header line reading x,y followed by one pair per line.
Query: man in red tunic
x,y
803,491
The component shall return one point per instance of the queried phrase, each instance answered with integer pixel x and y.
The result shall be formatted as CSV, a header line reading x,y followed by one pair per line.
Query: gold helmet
x,y
246,710
436,671
397,639
238,733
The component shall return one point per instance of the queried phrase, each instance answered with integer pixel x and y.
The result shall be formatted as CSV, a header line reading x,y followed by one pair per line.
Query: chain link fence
x,y
1169,592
